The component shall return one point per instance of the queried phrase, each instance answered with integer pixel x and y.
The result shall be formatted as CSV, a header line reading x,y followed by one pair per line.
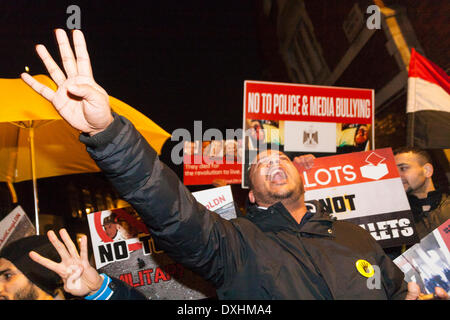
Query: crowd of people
x,y
279,249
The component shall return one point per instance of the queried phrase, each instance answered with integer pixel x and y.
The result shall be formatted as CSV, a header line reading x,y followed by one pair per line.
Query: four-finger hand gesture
x,y
79,99
79,277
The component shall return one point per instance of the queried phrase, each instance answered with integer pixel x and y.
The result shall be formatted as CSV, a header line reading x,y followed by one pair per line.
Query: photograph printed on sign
x,y
205,162
428,263
123,248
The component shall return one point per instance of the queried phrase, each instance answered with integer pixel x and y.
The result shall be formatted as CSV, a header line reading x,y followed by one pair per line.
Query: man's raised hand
x,y
305,162
79,277
79,99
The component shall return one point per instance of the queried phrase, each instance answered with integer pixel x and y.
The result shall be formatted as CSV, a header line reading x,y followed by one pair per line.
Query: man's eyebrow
x,y
5,271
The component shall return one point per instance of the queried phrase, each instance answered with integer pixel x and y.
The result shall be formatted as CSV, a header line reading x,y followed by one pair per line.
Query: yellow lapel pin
x,y
365,268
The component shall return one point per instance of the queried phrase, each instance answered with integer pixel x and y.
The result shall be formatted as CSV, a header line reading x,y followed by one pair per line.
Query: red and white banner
x,y
428,104
298,102
363,188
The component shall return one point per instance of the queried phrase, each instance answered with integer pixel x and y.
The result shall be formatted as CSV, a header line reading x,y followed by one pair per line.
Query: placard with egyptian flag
x,y
364,188
428,104
299,118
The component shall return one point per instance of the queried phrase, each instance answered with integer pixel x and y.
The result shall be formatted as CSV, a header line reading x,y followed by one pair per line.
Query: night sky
x,y
175,61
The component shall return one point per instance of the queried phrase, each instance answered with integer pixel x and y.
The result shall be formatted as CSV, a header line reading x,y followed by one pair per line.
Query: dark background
x,y
174,61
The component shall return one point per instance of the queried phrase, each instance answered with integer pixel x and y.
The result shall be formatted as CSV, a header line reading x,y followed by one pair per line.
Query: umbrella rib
x,y
11,171
34,124
44,123
19,124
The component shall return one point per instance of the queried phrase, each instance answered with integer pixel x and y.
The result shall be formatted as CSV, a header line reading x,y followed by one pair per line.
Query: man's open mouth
x,y
277,175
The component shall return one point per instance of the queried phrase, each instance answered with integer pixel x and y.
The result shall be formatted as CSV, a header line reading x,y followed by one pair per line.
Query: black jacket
x,y
265,255
436,212
123,291
428,213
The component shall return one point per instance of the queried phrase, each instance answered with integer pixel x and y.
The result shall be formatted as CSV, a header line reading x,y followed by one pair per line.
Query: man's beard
x,y
409,190
271,197
419,188
281,196
28,293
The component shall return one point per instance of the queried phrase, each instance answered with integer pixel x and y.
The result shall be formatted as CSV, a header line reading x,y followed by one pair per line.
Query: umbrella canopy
x,y
56,146
35,142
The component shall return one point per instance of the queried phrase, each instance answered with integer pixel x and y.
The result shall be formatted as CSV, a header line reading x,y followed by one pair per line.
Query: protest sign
x,y
123,248
14,226
364,188
298,119
206,161
428,263
220,200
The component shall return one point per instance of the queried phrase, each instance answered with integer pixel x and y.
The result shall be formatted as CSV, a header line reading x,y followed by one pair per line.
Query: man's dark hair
x,y
423,155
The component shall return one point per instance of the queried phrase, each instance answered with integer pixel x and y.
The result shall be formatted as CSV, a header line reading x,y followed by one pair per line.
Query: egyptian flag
x,y
428,104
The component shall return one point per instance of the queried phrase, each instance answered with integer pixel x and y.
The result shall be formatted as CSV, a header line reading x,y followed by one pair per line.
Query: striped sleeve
x,y
105,292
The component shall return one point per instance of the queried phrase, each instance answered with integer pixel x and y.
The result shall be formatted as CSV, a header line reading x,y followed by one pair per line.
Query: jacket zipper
x,y
316,268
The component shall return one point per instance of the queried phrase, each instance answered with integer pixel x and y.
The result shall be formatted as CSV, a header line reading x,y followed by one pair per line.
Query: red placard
x,y
205,172
295,102
205,162
363,188
350,168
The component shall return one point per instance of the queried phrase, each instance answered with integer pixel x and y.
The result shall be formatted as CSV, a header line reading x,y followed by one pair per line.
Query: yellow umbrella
x,y
35,142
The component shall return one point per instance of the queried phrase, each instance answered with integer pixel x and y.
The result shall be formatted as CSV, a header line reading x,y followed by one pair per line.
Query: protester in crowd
x,y
23,279
430,207
279,251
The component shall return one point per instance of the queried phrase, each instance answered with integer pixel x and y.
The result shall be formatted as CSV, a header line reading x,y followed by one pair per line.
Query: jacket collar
x,y
277,218
423,207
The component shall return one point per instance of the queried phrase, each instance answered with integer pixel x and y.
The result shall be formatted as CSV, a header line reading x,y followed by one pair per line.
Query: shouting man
x,y
280,250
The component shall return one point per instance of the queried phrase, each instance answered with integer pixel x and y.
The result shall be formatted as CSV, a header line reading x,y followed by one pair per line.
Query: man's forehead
x,y
269,153
6,264
407,158
265,154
